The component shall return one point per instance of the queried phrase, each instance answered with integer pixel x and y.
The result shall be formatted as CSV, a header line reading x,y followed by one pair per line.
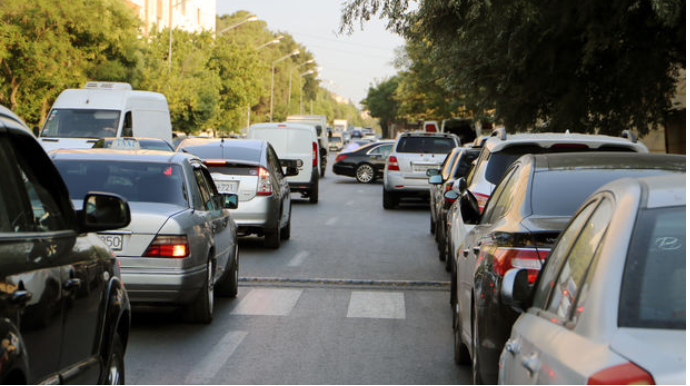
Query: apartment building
x,y
188,15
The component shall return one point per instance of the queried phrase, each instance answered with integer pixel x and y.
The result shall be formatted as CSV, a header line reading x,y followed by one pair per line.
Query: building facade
x,y
188,15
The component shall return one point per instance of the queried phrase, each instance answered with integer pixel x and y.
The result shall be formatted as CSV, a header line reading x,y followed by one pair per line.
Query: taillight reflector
x,y
512,257
340,157
393,163
168,246
623,374
264,187
315,154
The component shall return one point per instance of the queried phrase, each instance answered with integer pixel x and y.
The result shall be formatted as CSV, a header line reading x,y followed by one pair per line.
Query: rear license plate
x,y
113,241
227,187
422,168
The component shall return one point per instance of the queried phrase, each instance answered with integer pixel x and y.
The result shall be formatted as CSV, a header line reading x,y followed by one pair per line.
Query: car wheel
x,y
441,242
476,370
390,201
462,354
314,194
272,237
432,225
365,174
285,232
201,309
115,367
227,286
450,256
323,166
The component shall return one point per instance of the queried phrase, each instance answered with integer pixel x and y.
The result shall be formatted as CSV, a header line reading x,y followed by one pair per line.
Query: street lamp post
x,y
290,82
268,43
239,23
273,71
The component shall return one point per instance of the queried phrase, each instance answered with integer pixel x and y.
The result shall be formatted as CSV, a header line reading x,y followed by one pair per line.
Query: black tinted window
x,y
464,163
135,181
435,145
653,291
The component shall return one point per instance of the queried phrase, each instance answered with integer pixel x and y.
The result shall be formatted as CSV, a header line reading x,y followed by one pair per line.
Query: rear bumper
x,y
395,182
296,186
163,286
257,212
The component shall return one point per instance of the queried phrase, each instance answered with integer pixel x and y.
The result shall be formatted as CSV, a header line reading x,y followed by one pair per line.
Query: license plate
x,y
113,241
227,187
422,168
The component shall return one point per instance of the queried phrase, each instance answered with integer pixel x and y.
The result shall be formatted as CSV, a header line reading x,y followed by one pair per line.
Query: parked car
x,y
79,117
64,313
412,155
365,163
528,210
437,177
181,247
335,143
294,141
609,306
251,169
130,143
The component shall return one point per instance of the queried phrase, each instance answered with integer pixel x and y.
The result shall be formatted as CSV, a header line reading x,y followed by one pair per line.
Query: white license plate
x,y
227,187
422,168
115,242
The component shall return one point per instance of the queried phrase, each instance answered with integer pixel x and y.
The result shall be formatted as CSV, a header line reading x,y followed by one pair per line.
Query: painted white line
x,y
211,363
298,259
376,305
332,221
350,203
268,301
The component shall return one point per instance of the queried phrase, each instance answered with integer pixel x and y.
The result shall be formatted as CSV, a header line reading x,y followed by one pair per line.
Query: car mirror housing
x,y
435,180
103,211
515,289
461,184
229,201
432,172
469,208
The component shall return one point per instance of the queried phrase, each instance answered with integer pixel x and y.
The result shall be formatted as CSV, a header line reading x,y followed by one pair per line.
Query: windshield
x,y
135,181
434,145
653,291
73,123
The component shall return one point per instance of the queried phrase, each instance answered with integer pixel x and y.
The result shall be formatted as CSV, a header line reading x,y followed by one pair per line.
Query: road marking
x,y
332,221
350,203
268,301
219,353
376,305
298,259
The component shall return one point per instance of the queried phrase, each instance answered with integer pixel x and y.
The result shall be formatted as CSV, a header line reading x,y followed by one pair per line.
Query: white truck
x,y
79,117
340,126
320,123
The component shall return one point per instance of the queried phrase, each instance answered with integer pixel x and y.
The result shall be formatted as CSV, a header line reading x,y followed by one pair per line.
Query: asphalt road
x,y
356,296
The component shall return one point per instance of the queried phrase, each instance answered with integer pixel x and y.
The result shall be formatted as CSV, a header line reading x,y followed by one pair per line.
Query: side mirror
x,y
435,180
103,211
291,172
469,208
229,201
515,289
462,184
432,172
449,198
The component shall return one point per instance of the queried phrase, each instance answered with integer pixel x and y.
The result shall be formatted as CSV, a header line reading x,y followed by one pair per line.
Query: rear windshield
x,y
226,152
78,123
234,170
499,161
143,144
435,145
561,192
653,291
135,181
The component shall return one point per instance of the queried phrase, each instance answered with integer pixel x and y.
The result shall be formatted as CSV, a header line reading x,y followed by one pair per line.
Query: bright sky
x,y
351,62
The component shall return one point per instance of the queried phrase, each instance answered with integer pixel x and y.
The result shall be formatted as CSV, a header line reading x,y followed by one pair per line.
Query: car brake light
x,y
481,200
393,163
315,154
340,157
531,258
215,162
264,187
430,128
168,246
448,188
623,374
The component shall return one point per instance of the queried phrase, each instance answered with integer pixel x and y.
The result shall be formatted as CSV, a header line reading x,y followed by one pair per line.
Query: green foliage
x,y
382,102
582,65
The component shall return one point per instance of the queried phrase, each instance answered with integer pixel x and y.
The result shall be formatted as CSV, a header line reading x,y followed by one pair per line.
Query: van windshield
x,y
73,123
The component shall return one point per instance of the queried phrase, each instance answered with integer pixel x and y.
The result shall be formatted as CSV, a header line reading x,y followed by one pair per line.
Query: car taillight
x,y
315,154
340,157
393,163
531,258
623,374
264,187
215,162
481,200
168,246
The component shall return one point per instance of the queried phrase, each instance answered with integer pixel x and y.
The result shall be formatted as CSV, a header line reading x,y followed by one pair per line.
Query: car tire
x,y
432,225
285,232
324,165
201,309
390,201
272,237
365,174
228,284
476,369
115,365
441,240
462,354
450,258
314,194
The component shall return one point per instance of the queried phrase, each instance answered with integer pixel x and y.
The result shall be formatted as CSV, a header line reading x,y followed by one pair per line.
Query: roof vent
x,y
500,133
108,86
629,135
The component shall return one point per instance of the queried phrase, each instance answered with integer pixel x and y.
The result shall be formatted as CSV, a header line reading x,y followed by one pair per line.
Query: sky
x,y
351,62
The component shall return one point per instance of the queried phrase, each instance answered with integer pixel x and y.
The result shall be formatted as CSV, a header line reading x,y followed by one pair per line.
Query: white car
x,y
609,306
320,123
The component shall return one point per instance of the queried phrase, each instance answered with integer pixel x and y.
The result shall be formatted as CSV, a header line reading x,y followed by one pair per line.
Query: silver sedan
x,y
609,306
181,245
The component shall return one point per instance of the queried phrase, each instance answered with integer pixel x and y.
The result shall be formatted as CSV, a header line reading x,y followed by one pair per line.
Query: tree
x,y
582,65
382,103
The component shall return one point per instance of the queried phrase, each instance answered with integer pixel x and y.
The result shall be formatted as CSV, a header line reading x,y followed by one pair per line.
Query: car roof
x,y
496,142
426,134
7,113
121,155
657,191
607,160
257,144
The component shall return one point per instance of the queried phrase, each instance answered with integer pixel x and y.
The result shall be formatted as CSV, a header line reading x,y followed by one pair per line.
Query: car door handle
x,y
71,284
513,346
20,297
531,363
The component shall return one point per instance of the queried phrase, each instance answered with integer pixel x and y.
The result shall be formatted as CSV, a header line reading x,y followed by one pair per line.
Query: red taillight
x,y
448,188
315,154
430,128
214,162
531,258
168,246
623,374
481,200
340,157
264,187
393,163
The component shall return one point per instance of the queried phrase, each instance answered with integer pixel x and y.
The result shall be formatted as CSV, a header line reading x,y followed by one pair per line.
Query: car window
x,y
127,125
500,201
654,281
463,163
577,262
15,212
204,189
274,163
434,145
448,163
473,171
382,150
558,254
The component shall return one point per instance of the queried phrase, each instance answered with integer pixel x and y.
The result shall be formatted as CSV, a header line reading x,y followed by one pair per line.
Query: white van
x,y
320,122
79,117
294,141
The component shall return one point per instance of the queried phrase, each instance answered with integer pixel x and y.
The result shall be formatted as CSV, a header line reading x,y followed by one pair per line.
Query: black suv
x,y
64,314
